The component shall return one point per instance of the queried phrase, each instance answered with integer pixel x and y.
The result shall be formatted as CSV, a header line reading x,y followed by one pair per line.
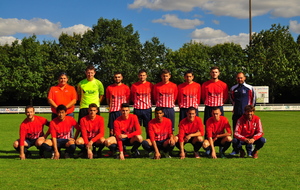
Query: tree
x,y
154,56
231,59
111,48
192,56
274,60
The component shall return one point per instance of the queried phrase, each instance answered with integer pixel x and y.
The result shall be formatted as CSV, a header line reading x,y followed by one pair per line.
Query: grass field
x,y
278,165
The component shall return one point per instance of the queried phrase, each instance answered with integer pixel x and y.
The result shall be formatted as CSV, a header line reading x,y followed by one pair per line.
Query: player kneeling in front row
x,y
248,131
127,132
216,135
60,129
31,133
191,130
92,132
161,135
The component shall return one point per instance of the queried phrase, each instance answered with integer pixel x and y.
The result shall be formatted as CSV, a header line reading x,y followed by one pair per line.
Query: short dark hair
x,y
90,67
189,72
165,71
62,73
159,109
125,105
93,105
142,71
191,109
215,108
61,107
29,106
214,67
249,108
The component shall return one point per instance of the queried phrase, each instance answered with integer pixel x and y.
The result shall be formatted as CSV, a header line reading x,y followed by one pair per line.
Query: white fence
x,y
227,107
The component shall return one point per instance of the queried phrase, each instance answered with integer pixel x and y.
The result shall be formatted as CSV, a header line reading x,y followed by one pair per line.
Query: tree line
x,y
29,68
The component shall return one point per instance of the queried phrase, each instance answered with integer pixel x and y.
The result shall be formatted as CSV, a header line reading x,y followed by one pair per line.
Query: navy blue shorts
x,y
30,142
144,116
170,113
126,141
61,143
112,117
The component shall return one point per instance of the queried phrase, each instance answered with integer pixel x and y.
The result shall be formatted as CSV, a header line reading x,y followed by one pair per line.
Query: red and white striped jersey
x,y
189,95
117,95
62,129
165,95
214,93
141,95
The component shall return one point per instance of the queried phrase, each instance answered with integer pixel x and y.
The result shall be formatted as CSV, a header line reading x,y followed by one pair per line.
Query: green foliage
x,y
274,59
192,56
29,68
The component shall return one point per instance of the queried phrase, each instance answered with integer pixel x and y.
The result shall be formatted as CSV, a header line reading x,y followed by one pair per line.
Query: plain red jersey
x,y
189,95
64,97
214,93
130,127
141,95
160,131
32,129
248,129
117,95
214,128
186,127
62,129
92,130
165,95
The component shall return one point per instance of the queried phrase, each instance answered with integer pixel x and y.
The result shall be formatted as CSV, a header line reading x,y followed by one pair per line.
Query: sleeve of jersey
x,y
137,127
118,132
83,131
107,95
101,88
238,130
175,92
203,95
259,131
208,129
199,94
170,128
227,126
132,91
52,129
101,126
127,94
225,92
75,124
22,134
50,94
253,97
74,93
151,132
201,127
181,132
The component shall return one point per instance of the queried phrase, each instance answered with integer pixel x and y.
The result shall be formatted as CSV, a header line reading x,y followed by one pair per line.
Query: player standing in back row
x,y
165,94
214,93
141,97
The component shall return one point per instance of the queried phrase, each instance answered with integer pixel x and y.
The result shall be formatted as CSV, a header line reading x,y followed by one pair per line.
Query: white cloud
x,y
295,26
36,26
174,21
234,8
216,22
212,37
7,40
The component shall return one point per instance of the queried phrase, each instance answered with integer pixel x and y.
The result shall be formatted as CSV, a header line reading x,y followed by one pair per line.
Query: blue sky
x,y
174,22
